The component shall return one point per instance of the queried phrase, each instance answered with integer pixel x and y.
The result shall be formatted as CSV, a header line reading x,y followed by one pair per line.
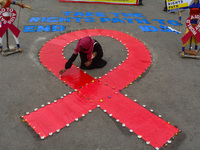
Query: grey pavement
x,y
171,86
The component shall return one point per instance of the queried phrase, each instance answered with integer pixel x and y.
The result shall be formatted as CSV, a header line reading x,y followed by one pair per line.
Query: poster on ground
x,y
178,5
119,2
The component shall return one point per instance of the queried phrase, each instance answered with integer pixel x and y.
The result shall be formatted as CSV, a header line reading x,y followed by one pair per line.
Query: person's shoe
x,y
165,9
20,50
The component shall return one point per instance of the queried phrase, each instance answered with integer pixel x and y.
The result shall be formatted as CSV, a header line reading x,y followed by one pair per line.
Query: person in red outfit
x,y
91,54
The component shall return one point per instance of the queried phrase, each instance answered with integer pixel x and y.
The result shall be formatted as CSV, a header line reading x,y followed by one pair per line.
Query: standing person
x,y
91,54
140,2
6,15
165,8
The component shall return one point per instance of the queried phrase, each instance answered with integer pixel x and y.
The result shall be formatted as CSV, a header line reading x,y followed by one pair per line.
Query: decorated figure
x,y
192,34
91,54
7,17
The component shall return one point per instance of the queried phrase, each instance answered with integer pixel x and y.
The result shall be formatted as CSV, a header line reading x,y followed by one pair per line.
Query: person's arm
x,y
98,52
68,63
21,5
88,63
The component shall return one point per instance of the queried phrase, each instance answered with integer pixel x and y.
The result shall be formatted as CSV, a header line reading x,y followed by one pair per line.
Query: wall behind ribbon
x,y
118,2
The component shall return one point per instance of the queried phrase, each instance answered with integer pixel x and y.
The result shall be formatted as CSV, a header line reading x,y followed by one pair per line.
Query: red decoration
x,y
8,22
91,93
192,30
113,2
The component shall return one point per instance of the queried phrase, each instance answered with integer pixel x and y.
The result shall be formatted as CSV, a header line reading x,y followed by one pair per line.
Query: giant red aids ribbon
x,y
104,92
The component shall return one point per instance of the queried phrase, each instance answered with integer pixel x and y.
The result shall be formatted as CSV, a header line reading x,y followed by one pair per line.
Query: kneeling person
x,y
91,54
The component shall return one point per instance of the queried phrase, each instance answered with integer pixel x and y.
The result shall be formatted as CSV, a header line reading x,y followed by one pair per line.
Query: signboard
x,y
119,2
8,21
177,5
192,30
60,22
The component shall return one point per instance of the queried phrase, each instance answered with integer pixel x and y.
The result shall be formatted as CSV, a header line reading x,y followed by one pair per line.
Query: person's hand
x,y
62,71
87,63
94,54
29,7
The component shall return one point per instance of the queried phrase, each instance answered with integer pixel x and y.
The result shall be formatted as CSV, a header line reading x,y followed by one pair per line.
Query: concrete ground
x,y
171,87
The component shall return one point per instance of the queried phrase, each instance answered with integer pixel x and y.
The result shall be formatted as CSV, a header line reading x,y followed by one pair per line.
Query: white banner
x,y
177,5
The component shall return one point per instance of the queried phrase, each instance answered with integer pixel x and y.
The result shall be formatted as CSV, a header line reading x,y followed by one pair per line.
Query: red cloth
x,y
103,92
194,11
